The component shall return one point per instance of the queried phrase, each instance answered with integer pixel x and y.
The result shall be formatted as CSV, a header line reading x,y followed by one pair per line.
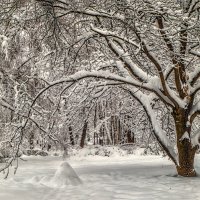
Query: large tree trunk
x,y
186,151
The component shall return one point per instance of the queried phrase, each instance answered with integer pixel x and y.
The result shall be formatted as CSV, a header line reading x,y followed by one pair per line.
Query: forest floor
x,y
116,178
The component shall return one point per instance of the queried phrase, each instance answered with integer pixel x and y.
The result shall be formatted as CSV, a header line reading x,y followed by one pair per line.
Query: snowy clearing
x,y
130,177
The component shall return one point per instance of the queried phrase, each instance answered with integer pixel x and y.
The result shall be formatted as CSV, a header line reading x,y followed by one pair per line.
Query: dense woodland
x,y
96,72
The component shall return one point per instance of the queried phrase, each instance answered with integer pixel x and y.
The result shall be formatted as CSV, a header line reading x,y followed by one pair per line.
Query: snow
x,y
84,74
195,108
115,35
195,138
138,72
194,73
102,14
64,176
128,178
4,45
185,136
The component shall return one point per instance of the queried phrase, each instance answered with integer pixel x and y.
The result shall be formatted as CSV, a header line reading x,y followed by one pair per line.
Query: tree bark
x,y
186,152
31,140
130,137
82,143
71,136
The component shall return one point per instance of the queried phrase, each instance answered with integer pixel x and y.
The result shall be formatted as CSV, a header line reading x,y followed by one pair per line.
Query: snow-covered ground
x,y
116,178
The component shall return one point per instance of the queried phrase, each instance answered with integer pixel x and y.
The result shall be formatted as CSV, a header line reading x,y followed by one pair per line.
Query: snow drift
x,y
65,175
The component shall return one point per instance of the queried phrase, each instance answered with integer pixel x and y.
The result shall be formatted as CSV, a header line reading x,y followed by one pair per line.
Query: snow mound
x,y
65,175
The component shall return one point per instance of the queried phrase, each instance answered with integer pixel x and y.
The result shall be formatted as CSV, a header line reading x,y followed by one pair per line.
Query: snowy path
x,y
136,177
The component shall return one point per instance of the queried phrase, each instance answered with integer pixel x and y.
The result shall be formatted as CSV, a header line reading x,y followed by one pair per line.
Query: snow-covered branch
x,y
163,140
115,35
195,140
123,55
193,76
6,105
194,111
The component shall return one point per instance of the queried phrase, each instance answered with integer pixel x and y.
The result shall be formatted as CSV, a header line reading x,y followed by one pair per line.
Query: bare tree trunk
x,y
71,137
101,135
115,129
130,136
95,124
31,140
94,142
109,139
186,151
119,129
82,143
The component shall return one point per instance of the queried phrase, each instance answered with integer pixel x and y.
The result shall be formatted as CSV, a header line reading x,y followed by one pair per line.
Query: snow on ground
x,y
116,178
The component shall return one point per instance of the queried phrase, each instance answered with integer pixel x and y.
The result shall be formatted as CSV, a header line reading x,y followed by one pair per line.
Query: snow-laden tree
x,y
154,49
149,49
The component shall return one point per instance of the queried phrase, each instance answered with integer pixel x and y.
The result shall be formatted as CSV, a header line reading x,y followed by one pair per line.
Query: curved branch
x,y
133,69
195,111
161,137
194,76
155,61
